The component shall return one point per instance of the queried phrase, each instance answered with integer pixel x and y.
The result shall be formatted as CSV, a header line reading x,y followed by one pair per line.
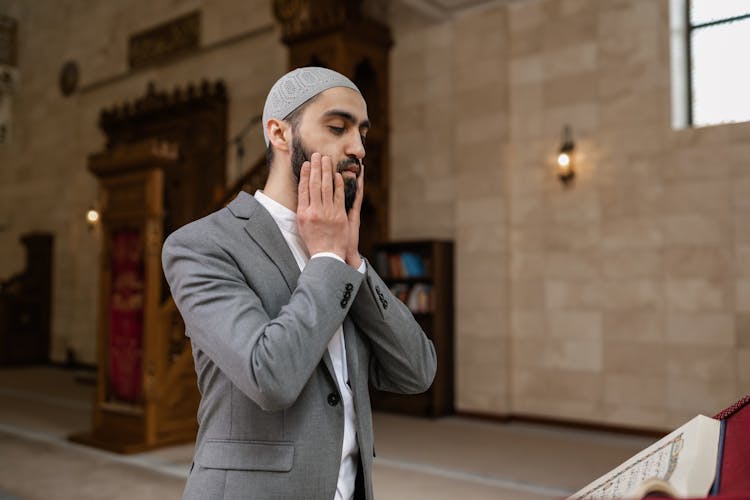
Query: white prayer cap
x,y
296,88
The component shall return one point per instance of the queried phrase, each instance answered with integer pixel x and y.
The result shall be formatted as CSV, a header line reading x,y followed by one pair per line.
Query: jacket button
x,y
349,287
344,302
333,399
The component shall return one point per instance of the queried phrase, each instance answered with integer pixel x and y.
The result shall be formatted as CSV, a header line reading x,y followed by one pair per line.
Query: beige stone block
x,y
490,183
527,294
742,260
742,334
481,211
582,265
478,239
634,389
528,209
525,70
471,129
483,323
701,362
712,263
475,76
697,197
528,324
527,264
483,266
524,239
564,295
627,415
647,359
709,329
697,295
573,237
582,208
695,163
439,190
742,226
555,387
570,59
742,299
688,396
572,27
480,101
633,326
557,354
481,374
585,117
572,89
743,368
695,229
632,294
481,295
631,263
526,16
631,232
580,325
649,107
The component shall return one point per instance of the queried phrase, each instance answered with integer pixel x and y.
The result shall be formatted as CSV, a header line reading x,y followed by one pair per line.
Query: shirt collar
x,y
286,219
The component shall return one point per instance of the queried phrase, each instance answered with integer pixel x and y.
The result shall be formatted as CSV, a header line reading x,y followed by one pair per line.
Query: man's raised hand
x,y
321,216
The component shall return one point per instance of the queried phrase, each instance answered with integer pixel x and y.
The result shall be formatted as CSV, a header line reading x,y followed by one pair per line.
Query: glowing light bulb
x,y
92,216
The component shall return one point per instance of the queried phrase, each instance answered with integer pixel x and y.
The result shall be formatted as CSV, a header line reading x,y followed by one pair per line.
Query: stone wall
x,y
44,182
622,299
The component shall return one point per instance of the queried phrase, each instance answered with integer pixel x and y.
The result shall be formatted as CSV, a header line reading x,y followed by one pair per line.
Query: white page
x,y
686,458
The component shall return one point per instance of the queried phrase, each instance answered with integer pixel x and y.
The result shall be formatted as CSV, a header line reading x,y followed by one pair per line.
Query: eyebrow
x,y
348,117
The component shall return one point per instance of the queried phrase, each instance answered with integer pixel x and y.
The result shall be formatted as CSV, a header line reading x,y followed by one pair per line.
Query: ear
x,y
279,134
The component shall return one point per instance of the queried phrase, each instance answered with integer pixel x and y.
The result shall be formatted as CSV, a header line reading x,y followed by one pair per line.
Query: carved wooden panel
x,y
168,40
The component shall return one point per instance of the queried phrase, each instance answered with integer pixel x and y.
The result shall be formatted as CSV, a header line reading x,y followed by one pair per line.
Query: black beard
x,y
300,155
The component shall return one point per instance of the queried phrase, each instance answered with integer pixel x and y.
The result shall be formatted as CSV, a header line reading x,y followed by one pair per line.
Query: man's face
x,y
335,125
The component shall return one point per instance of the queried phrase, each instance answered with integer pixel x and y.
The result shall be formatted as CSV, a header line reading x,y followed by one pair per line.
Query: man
x,y
289,324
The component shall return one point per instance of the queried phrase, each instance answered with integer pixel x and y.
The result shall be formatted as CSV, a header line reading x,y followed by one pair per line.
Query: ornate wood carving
x,y
8,41
337,35
170,39
194,118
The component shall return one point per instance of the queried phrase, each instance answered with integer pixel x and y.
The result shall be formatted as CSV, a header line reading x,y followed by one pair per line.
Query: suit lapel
x,y
263,230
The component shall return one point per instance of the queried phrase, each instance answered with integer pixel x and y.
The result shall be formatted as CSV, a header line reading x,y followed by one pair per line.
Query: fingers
x,y
338,192
315,172
327,182
357,205
303,188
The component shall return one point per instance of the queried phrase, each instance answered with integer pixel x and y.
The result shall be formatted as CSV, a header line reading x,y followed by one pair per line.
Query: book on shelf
x,y
401,264
418,297
682,464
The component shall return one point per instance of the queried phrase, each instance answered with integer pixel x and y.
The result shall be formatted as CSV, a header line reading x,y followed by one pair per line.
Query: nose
x,y
355,146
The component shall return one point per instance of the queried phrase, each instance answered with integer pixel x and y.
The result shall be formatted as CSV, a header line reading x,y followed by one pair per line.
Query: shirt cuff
x,y
362,267
328,254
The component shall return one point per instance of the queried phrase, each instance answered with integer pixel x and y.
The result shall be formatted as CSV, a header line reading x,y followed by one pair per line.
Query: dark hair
x,y
294,118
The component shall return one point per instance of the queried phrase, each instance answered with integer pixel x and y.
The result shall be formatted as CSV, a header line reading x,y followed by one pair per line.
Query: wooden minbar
x,y
146,394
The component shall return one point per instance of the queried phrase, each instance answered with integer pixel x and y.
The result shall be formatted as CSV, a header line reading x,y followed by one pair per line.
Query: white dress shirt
x,y
287,221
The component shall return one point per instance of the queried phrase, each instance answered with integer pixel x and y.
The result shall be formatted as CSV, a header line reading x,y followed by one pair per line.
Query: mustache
x,y
349,162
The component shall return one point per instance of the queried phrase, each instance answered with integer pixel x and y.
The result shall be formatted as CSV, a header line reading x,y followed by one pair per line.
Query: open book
x,y
682,464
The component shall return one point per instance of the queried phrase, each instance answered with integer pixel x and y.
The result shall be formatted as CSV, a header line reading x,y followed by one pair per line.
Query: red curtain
x,y
126,314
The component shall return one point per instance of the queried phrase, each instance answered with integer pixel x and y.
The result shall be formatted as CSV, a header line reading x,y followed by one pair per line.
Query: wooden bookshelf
x,y
420,273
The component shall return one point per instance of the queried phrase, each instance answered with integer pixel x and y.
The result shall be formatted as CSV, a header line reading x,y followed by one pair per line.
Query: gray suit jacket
x,y
271,418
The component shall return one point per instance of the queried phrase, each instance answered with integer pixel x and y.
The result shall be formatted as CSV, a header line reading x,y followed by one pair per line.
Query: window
x,y
710,70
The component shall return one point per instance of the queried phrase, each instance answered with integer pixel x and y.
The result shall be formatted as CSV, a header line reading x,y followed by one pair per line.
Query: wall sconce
x,y
565,170
92,217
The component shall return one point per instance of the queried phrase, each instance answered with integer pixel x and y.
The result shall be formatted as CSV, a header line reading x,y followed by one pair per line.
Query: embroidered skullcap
x,y
296,88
